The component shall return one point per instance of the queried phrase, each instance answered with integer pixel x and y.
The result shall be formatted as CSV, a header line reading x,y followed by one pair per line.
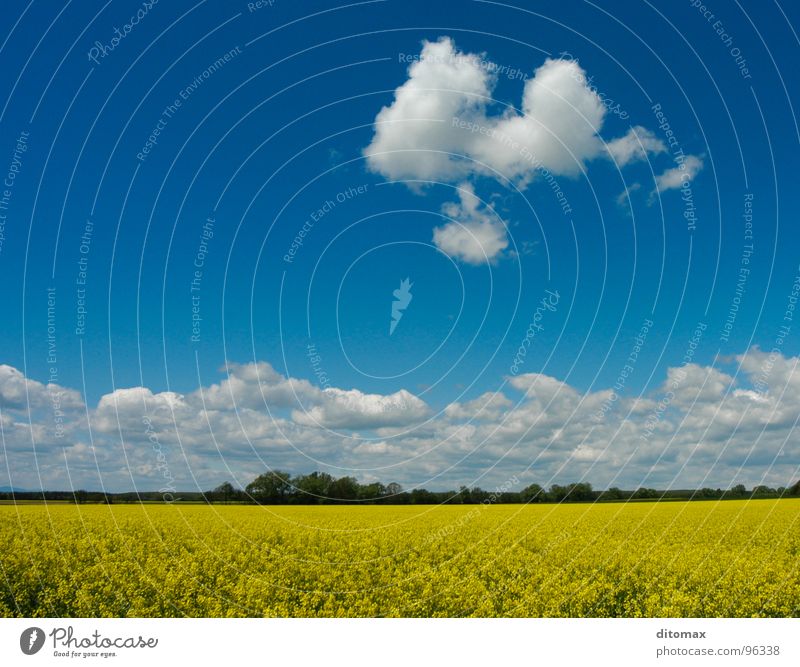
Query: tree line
x,y
277,487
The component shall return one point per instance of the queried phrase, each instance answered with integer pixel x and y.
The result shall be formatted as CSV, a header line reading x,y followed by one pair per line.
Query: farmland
x,y
676,559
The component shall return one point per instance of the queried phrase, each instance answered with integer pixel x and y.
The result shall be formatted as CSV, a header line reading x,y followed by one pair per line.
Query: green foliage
x,y
276,487
270,487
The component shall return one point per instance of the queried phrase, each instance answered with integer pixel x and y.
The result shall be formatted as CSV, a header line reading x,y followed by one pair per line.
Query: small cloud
x,y
475,234
623,199
673,179
634,146
335,156
524,249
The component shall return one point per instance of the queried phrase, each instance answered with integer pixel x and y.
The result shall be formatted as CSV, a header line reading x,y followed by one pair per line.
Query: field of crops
x,y
734,558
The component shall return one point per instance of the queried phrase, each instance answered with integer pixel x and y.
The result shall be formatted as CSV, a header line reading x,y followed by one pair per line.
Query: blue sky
x,y
277,172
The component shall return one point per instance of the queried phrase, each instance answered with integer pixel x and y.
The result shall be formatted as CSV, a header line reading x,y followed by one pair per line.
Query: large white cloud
x,y
18,391
444,126
439,126
703,426
257,385
488,406
353,409
415,136
557,129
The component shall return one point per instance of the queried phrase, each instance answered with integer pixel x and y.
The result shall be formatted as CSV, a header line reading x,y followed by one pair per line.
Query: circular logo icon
x,y
31,640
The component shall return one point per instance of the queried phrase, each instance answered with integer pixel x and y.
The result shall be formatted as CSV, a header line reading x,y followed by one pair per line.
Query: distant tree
x,y
422,497
273,486
643,493
462,497
581,491
794,489
762,491
312,489
344,488
374,491
394,489
450,498
224,492
532,494
738,491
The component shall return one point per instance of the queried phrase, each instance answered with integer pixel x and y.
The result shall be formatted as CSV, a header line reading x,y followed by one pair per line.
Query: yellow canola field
x,y
734,558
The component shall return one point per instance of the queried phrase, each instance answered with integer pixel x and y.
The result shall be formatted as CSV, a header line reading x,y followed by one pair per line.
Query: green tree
x,y
274,486
394,489
374,491
422,497
532,493
738,491
763,491
224,492
581,491
344,488
313,489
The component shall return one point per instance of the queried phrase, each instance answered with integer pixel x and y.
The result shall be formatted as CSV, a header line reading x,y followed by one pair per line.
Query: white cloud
x,y
558,128
624,197
771,371
636,145
126,409
474,234
414,137
353,409
259,388
702,426
438,126
17,391
539,385
674,178
693,383
489,406
257,385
